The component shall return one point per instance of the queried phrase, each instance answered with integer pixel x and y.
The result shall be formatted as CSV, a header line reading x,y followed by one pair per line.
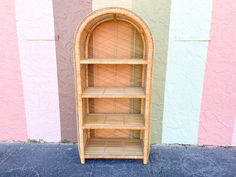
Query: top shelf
x,y
134,61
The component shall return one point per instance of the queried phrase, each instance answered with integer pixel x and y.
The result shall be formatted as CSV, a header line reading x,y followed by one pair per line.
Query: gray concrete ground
x,y
62,160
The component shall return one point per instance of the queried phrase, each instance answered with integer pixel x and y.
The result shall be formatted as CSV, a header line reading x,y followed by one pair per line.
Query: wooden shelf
x,y
114,121
114,148
113,92
134,61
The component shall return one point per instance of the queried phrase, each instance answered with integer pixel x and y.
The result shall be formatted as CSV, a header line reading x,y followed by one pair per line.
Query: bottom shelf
x,y
114,148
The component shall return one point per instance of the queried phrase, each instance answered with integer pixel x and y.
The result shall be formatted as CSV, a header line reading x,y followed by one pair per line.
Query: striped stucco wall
x,y
194,91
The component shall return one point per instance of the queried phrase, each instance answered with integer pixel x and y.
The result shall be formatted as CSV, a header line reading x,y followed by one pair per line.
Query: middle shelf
x,y
134,61
114,121
113,92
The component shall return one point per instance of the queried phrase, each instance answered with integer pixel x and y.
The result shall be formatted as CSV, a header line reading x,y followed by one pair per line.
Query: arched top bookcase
x,y
93,20
113,70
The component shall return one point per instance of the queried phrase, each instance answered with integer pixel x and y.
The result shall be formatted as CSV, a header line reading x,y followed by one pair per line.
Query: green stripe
x,y
156,14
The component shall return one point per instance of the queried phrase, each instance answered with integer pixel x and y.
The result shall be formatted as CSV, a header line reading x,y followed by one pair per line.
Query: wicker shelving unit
x,y
113,85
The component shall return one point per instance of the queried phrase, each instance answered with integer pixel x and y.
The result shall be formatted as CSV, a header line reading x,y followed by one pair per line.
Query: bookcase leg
x,y
82,160
146,146
81,144
145,160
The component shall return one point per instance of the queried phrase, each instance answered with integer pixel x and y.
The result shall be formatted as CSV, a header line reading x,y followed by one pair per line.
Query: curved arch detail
x,y
87,26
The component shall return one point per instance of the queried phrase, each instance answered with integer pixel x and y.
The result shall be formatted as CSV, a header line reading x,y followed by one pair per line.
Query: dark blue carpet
x,y
61,160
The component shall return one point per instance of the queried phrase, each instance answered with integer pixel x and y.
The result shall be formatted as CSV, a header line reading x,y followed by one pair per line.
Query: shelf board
x,y
114,148
113,92
134,61
114,121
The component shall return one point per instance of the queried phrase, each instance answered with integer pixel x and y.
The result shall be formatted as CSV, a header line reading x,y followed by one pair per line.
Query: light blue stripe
x,y
188,42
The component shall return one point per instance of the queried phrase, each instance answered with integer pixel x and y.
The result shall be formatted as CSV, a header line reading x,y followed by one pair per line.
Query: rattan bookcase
x,y
113,71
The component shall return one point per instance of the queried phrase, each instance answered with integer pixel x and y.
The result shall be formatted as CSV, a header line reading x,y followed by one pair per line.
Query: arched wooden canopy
x,y
82,60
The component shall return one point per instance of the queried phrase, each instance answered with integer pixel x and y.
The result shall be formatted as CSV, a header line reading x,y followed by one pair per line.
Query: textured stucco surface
x,y
35,30
67,15
187,53
156,14
12,114
53,160
219,95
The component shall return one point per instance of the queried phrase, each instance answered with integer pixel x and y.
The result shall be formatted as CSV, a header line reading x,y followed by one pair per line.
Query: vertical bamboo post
x,y
79,110
148,101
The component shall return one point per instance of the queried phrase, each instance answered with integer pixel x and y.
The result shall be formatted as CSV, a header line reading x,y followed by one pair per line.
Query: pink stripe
x,y
219,94
12,115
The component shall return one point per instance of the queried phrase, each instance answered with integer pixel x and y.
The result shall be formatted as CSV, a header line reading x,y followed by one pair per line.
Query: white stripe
x,y
39,68
188,43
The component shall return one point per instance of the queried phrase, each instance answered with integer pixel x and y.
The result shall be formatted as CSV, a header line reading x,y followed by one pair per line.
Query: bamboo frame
x,y
81,58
